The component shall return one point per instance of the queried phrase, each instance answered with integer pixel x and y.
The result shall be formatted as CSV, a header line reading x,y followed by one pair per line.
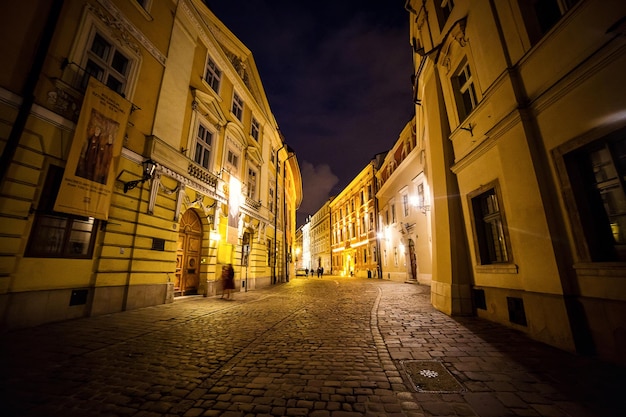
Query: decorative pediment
x,y
207,104
253,154
455,34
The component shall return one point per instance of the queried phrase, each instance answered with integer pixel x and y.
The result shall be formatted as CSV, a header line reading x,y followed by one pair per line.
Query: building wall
x,y
137,248
354,246
404,210
524,126
320,239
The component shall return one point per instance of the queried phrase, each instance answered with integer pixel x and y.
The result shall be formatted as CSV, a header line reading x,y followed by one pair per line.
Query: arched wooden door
x,y
188,254
413,260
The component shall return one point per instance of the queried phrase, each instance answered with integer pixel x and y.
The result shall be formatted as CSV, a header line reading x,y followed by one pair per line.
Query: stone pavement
x,y
331,347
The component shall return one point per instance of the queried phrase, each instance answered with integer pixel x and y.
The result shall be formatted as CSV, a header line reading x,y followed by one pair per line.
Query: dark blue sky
x,y
337,76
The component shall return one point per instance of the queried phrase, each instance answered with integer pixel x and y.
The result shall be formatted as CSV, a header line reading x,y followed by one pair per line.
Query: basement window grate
x,y
78,297
158,244
517,314
480,301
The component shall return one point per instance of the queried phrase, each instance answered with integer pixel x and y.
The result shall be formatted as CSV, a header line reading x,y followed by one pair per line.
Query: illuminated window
x,y
405,204
59,235
421,199
204,142
237,107
213,75
464,90
596,173
489,228
270,204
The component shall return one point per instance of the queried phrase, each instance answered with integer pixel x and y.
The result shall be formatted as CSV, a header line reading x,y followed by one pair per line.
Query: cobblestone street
x,y
331,347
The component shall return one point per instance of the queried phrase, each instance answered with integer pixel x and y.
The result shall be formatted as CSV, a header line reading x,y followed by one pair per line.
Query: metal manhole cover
x,y
430,376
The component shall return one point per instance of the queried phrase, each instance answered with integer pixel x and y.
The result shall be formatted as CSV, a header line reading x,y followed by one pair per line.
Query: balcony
x,y
64,95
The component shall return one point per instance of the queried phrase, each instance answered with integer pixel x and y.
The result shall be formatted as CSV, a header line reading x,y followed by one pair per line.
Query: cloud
x,y
337,77
317,184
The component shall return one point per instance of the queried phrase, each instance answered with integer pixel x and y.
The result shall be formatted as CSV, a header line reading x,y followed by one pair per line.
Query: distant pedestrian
x,y
321,271
228,280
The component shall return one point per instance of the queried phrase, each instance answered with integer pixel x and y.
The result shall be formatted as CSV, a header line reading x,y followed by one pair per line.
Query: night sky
x,y
337,76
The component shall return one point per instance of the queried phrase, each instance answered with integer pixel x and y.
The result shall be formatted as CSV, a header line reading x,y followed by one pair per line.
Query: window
x,y
204,142
596,173
393,213
251,192
405,204
421,200
443,10
270,251
464,91
254,129
59,235
489,228
541,15
233,160
144,4
237,108
213,75
270,204
106,63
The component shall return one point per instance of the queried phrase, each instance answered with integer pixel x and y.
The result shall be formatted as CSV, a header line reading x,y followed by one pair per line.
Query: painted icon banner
x,y
89,175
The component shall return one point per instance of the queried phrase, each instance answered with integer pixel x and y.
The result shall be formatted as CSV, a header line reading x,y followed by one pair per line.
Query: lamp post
x,y
149,166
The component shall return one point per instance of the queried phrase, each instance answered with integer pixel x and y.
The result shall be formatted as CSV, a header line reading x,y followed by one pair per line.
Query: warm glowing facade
x,y
404,211
524,121
224,187
353,229
320,239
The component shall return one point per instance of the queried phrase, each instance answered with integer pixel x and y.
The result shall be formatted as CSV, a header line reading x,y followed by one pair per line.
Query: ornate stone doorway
x,y
188,255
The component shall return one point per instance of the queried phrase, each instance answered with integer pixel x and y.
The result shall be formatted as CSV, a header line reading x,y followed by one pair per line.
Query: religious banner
x,y
234,201
89,175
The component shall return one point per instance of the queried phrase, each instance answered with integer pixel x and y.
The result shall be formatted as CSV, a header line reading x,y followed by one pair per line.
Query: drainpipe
x,y
276,213
29,89
376,221
285,259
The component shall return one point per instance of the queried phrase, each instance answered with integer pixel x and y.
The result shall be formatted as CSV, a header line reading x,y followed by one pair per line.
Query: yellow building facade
x,y
404,211
524,125
353,227
319,239
201,176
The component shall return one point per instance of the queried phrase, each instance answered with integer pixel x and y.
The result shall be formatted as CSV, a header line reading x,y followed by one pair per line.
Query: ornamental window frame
x,y
203,140
464,89
80,52
492,243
